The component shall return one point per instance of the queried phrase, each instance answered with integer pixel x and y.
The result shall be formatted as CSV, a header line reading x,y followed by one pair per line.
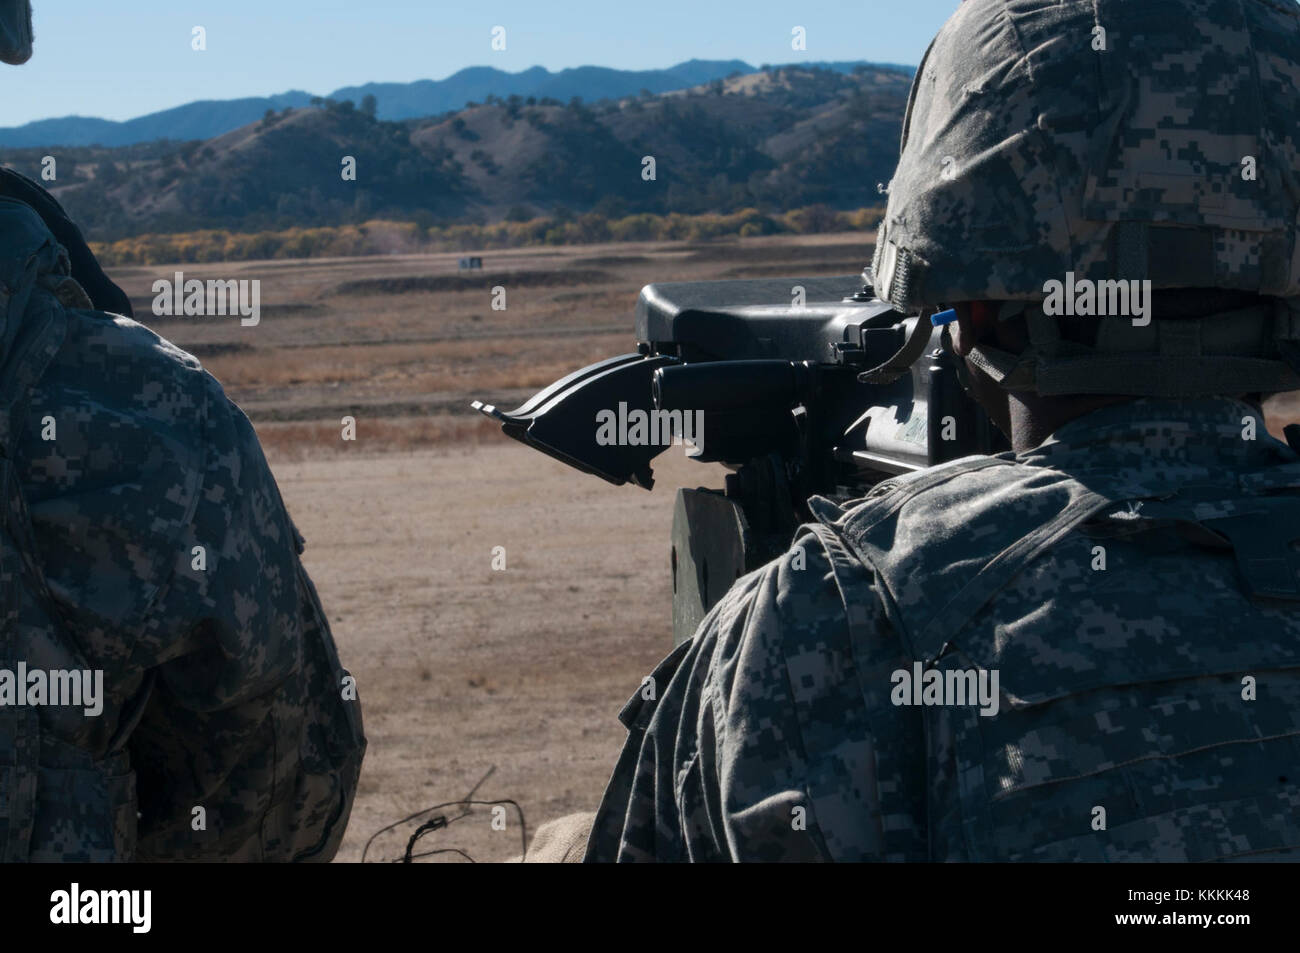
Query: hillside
x,y
776,140
209,118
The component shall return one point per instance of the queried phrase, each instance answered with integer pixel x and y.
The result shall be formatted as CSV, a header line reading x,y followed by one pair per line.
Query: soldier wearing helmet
x,y
169,687
1087,648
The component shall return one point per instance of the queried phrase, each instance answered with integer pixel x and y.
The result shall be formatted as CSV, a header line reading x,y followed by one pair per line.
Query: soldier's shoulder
x,y
125,436
974,475
97,336
131,370
122,401
798,598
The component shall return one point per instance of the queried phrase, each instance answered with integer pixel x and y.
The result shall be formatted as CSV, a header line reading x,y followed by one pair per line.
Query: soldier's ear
x,y
976,322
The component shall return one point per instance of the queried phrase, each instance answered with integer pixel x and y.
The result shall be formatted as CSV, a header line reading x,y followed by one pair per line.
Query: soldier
x,y
1087,648
169,688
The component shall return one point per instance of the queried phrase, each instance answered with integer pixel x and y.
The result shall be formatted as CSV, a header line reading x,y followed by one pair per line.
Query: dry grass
x,y
472,281
318,439
474,367
408,360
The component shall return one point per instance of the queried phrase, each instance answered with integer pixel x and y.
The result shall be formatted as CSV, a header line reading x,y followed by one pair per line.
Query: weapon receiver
x,y
829,397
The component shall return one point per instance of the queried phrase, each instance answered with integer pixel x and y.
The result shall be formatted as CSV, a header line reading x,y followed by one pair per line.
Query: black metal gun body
x,y
774,393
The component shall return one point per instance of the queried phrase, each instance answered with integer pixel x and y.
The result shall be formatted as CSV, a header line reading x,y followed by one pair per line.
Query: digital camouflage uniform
x,y
1121,687
1133,581
144,536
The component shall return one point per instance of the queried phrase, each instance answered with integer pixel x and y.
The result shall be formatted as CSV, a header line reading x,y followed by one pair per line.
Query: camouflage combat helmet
x,y
1108,140
15,31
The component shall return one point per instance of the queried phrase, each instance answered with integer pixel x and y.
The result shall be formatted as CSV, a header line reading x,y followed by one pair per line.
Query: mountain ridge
x,y
771,141
207,119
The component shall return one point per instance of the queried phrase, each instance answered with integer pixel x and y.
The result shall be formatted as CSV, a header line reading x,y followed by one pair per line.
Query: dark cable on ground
x,y
441,821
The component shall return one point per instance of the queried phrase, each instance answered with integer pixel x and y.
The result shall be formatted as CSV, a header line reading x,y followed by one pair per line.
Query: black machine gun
x,y
828,395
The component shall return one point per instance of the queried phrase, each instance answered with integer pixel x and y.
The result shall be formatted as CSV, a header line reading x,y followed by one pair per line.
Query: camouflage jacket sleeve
x,y
752,741
248,748
173,563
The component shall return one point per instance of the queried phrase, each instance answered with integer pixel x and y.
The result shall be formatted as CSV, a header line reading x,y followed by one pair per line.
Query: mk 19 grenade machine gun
x,y
826,396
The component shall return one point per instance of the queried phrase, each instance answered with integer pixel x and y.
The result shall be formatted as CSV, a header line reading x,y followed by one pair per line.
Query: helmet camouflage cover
x,y
1130,140
15,31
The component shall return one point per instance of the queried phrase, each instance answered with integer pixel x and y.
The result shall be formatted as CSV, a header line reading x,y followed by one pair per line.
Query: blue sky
x,y
122,58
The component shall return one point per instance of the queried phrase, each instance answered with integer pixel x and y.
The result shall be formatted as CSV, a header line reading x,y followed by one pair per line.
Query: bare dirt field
x,y
463,669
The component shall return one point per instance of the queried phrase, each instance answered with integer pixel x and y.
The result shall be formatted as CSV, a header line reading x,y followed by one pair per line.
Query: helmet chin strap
x,y
1246,350
15,31
1009,371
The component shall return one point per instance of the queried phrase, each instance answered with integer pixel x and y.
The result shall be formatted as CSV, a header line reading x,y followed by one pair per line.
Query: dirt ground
x,y
464,670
